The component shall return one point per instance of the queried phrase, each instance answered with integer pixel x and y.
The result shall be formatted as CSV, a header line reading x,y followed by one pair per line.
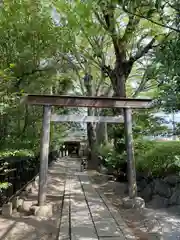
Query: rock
x,y
34,185
42,211
16,202
37,179
26,206
34,209
126,188
159,202
110,177
175,210
161,188
28,188
175,198
172,179
155,236
137,202
103,170
7,209
128,202
147,193
110,170
140,176
24,194
20,202
141,184
120,177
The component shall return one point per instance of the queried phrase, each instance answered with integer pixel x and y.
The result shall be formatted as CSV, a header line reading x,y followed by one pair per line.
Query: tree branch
x,y
110,27
152,21
143,51
131,26
100,20
109,19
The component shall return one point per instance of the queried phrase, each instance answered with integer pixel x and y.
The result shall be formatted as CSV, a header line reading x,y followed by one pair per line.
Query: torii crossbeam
x,y
85,119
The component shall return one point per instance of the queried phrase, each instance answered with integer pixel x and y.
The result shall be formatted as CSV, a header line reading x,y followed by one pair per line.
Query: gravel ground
x,y
141,221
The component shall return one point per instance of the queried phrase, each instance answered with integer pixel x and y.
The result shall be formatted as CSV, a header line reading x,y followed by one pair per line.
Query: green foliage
x,y
104,150
8,153
146,124
166,69
4,186
16,153
40,55
111,158
29,63
153,158
158,158
142,146
114,159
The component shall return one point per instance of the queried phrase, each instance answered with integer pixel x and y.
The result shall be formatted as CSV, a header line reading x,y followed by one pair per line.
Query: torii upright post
x,y
44,154
130,153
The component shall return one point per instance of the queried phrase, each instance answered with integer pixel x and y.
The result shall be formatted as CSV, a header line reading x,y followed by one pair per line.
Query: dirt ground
x,y
21,226
141,221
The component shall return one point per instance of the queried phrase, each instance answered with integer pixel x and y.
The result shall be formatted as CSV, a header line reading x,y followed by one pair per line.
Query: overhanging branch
x,y
131,26
143,51
152,21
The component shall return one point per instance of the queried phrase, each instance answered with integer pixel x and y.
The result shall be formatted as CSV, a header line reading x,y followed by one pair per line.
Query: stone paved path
x,y
87,215
80,212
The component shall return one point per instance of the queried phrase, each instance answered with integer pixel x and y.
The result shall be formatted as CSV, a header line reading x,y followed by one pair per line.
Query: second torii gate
x,y
86,119
83,101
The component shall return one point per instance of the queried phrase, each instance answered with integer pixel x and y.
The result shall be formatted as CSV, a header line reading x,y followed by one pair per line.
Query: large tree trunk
x,y
93,162
119,76
101,133
91,128
92,156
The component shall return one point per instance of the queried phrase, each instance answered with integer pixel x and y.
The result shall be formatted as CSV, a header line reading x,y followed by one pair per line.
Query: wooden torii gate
x,y
85,101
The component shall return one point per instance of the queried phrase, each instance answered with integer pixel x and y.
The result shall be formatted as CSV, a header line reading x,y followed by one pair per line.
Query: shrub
x,y
8,153
4,186
115,160
16,153
158,158
111,158
143,146
104,150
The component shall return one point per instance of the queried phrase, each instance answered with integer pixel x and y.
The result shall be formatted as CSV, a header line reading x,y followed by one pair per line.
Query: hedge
x,y
157,158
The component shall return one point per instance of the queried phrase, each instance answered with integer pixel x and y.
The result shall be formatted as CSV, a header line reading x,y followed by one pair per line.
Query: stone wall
x,y
159,192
